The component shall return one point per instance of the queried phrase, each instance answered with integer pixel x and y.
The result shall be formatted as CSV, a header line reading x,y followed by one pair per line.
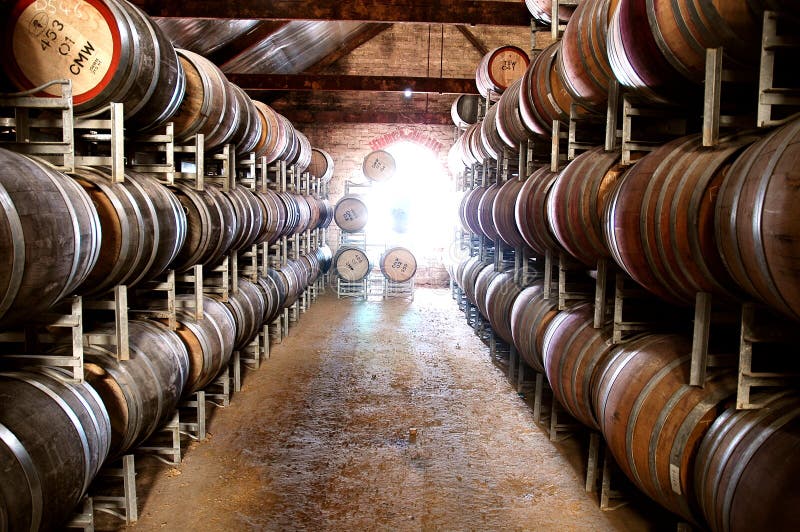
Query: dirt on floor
x,y
376,415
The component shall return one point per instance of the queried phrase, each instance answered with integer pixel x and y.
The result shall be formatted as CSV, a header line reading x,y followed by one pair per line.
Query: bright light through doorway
x,y
417,208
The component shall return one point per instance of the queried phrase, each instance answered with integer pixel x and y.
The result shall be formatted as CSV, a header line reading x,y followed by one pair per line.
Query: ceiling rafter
x,y
256,84
261,31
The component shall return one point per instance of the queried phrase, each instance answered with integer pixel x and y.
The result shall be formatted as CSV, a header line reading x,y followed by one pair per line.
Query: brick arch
x,y
417,137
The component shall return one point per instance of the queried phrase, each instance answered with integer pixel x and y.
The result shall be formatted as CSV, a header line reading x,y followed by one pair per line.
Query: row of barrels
x,y
113,52
352,264
686,447
656,50
84,234
55,434
683,219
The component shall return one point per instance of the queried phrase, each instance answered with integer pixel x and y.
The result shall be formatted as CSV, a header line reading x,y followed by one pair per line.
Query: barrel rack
x,y
354,289
633,129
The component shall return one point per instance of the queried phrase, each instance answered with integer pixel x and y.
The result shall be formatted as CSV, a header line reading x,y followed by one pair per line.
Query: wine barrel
x,y
379,166
324,256
530,317
303,159
490,138
54,437
272,302
659,224
398,264
530,212
210,106
142,393
546,97
485,208
321,165
574,352
542,10
509,124
304,210
477,150
110,50
292,143
231,224
747,466
326,214
757,232
499,68
274,136
248,211
209,227
278,283
247,305
248,128
500,297
464,110
276,215
209,341
296,278
351,263
577,200
535,121
582,62
350,214
503,213
472,268
653,421
292,213
39,207
485,277
469,210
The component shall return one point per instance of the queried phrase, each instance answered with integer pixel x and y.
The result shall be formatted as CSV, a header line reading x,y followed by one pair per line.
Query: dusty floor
x,y
319,437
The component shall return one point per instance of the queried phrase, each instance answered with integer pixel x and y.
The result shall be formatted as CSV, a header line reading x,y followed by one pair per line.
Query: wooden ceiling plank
x,y
261,31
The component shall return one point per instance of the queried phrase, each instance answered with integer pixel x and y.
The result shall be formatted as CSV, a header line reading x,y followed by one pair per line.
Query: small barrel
x,y
464,110
747,467
485,211
110,50
530,317
209,341
379,166
350,214
398,264
482,282
39,207
659,223
54,437
142,393
542,10
351,263
757,230
653,421
530,212
574,352
499,68
577,200
582,62
321,165
500,297
503,213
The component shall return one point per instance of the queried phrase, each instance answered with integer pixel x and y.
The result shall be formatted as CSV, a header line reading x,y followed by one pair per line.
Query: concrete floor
x,y
320,438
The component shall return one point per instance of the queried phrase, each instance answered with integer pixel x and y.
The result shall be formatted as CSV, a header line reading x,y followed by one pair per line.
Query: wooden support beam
x,y
256,84
261,31
367,34
470,12
474,41
308,116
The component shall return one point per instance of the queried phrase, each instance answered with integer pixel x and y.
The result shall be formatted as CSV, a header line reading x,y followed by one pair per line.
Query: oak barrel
x,y
398,264
350,214
501,294
499,68
247,305
379,165
530,317
509,124
485,277
209,218
464,110
485,209
503,213
489,136
542,10
351,263
468,211
321,165
530,212
247,132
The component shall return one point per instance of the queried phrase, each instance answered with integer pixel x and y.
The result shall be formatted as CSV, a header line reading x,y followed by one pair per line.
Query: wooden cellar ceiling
x,y
287,52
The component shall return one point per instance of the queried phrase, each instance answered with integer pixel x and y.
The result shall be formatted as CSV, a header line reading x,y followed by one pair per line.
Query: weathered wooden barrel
x,y
292,213
574,352
275,214
379,165
351,263
54,437
531,211
659,224
247,305
582,61
292,144
207,230
485,277
477,153
509,124
272,299
398,264
247,133
321,165
40,207
653,421
110,50
274,134
747,467
500,297
542,10
577,200
684,29
350,214
499,68
531,116
231,224
209,341
530,316
266,134
303,159
142,393
250,215
304,209
326,214
324,256
210,106
472,268
295,276
757,231
490,138
485,208
503,213
469,210
464,110
547,97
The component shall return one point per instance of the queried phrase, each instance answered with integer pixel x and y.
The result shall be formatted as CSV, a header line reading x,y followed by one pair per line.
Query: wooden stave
x,y
272,301
247,305
303,159
472,268
501,294
275,219
292,211
470,210
530,317
503,213
76,220
279,283
530,212
532,118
